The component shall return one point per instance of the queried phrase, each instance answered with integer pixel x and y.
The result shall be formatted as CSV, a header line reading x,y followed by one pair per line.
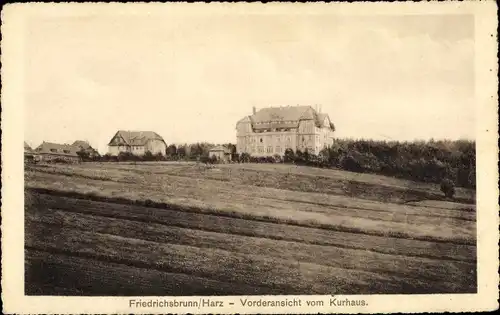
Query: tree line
x,y
426,161
184,152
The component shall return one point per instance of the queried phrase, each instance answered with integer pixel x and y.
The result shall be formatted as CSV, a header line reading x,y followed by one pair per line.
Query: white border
x,y
13,19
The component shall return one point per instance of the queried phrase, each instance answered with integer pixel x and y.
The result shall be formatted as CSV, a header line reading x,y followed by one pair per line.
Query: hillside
x,y
242,229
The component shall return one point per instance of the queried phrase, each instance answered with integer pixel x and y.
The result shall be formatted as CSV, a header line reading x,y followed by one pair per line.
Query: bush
x,y
245,157
204,159
349,163
213,160
277,158
448,188
289,156
148,156
127,156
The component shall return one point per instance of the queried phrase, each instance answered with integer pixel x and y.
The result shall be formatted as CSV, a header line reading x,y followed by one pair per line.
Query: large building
x,y
48,151
272,130
137,143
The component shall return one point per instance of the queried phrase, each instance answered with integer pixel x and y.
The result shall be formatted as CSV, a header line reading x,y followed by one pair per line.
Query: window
x,y
53,150
269,150
66,151
287,139
278,149
261,149
261,140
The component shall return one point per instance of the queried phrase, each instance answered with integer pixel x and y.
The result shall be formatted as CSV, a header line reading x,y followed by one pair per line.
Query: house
x,y
272,130
137,143
221,153
28,153
84,146
48,151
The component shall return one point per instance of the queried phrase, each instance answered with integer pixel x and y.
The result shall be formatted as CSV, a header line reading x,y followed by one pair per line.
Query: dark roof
x,y
286,117
138,138
82,144
48,147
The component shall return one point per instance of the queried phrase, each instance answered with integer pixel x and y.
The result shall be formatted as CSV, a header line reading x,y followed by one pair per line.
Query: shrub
x,y
148,156
148,203
349,163
277,158
213,159
289,156
448,187
245,157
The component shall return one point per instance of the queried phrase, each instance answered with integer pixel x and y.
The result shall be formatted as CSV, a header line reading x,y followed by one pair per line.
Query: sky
x,y
191,78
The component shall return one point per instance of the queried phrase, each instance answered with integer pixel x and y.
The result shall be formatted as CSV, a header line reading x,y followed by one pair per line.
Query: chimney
x,y
254,110
320,108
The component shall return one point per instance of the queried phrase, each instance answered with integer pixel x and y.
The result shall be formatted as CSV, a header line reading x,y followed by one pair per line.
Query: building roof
x,y
56,148
286,117
82,144
27,148
220,148
138,138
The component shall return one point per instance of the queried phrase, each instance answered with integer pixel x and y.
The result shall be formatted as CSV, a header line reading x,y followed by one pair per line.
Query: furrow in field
x,y
60,273
447,275
221,224
457,231
220,264
313,202
186,180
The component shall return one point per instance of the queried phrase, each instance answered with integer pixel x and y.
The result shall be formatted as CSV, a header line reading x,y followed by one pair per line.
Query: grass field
x,y
189,229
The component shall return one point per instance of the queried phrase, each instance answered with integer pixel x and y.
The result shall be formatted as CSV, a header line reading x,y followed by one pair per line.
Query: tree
x,y
125,156
195,151
204,158
84,155
181,151
306,155
232,151
245,157
289,156
171,150
148,156
448,187
212,159
277,158
299,157
159,156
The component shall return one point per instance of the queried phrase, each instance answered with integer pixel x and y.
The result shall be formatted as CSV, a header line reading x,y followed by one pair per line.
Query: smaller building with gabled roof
x,y
49,151
137,143
221,153
84,146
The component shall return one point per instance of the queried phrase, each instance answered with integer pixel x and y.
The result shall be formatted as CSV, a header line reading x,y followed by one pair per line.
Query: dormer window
x,y
53,150
66,151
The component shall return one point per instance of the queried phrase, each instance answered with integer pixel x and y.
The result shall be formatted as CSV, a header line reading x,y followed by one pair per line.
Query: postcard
x,y
248,158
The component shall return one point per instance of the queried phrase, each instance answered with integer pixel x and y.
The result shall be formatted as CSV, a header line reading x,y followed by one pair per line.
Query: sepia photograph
x,y
249,153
